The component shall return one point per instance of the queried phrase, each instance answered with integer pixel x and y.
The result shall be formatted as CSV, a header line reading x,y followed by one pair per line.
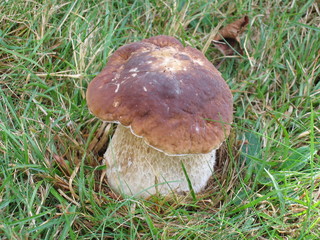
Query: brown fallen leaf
x,y
228,38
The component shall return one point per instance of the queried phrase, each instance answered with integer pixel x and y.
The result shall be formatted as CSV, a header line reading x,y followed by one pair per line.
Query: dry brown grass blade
x,y
62,165
228,38
100,140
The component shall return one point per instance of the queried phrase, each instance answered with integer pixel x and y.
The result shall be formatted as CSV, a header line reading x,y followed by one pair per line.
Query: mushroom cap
x,y
168,94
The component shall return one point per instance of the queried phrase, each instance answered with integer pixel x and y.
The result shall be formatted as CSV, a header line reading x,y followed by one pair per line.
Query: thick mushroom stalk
x,y
172,101
135,168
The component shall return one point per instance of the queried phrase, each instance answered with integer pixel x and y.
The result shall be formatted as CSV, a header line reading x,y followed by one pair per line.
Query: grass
x,y
267,180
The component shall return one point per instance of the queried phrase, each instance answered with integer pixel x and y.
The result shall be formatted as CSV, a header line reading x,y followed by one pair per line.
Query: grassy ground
x,y
267,182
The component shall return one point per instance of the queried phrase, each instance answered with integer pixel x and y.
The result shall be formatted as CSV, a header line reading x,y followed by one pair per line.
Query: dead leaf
x,y
228,38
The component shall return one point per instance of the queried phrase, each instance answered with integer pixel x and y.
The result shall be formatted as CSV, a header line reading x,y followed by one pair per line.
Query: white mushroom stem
x,y
134,168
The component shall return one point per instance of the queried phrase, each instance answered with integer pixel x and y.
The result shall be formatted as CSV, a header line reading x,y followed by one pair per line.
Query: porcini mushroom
x,y
173,109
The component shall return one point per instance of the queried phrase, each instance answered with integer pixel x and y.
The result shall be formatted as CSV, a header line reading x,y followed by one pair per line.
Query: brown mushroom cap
x,y
170,95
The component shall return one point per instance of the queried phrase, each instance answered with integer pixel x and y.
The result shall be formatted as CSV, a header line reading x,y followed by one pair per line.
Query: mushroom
x,y
173,109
